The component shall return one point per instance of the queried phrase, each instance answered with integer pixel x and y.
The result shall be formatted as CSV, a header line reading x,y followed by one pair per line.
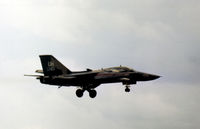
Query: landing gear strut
x,y
127,89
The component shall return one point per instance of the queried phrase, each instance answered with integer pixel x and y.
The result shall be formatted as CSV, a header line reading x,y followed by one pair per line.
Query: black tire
x,y
92,93
79,93
127,90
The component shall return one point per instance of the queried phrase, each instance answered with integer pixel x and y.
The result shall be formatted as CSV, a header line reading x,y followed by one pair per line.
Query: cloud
x,y
45,107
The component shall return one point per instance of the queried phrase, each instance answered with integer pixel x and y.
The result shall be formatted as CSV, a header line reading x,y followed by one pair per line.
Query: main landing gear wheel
x,y
79,93
92,93
127,89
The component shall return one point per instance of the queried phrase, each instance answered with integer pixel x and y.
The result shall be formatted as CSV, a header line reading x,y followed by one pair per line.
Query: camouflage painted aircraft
x,y
55,73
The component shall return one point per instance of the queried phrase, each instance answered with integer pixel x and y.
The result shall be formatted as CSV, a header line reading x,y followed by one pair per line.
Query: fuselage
x,y
94,78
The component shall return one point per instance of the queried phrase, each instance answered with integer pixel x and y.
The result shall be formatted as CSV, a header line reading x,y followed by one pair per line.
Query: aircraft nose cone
x,y
153,77
140,76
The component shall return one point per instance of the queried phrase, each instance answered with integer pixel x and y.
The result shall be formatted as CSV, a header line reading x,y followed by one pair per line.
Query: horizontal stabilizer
x,y
39,71
37,76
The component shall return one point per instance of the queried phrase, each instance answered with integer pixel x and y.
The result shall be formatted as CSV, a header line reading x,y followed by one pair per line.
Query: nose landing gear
x,y
127,89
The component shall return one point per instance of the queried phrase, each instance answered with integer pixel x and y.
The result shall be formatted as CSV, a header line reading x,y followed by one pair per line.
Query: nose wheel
x,y
127,89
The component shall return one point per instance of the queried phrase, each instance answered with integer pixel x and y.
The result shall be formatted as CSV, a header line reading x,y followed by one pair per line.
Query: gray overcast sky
x,y
155,36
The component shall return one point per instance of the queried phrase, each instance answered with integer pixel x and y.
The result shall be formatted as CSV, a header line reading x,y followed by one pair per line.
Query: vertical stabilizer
x,y
51,66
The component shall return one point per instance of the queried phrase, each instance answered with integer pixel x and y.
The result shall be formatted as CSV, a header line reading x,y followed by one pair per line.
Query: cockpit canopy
x,y
119,69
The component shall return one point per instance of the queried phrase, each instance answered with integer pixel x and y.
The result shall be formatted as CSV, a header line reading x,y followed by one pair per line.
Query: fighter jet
x,y
55,73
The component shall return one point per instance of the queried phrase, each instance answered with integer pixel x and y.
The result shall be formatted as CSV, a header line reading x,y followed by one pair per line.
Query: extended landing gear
x,y
92,93
79,93
127,89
